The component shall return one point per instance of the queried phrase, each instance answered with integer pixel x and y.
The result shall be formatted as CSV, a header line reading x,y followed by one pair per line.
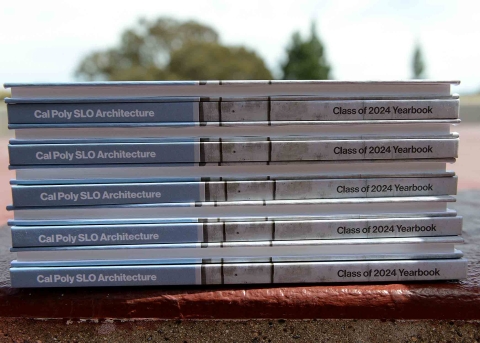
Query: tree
x,y
418,65
167,49
306,58
202,60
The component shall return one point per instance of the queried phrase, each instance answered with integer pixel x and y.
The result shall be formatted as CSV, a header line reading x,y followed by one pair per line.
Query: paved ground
x,y
239,331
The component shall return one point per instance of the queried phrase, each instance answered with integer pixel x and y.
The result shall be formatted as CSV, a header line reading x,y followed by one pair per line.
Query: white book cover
x,y
354,207
317,250
316,129
413,88
234,171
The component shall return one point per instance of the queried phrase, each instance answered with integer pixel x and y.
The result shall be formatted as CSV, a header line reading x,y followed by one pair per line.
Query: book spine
x,y
147,193
240,151
231,111
165,233
244,273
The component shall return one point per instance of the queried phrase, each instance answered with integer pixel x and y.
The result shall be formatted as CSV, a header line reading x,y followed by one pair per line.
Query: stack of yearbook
x,y
233,182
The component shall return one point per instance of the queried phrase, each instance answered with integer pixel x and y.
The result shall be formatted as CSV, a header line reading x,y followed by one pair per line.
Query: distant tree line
x,y
169,49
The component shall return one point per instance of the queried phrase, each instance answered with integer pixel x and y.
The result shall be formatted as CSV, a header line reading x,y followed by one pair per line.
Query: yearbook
x,y
240,273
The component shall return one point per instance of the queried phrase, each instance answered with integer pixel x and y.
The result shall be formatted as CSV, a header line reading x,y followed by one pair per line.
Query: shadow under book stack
x,y
233,182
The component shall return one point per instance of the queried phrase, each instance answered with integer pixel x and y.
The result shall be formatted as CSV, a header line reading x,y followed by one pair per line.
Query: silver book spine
x,y
181,192
241,273
234,231
266,150
248,110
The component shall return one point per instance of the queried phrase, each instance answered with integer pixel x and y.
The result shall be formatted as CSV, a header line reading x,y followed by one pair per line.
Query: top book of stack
x,y
230,101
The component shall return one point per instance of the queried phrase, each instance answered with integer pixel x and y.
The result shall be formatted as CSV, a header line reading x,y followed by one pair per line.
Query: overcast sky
x,y
45,40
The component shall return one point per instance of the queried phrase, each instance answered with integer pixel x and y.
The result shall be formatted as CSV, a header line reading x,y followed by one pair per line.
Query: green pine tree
x,y
418,65
306,58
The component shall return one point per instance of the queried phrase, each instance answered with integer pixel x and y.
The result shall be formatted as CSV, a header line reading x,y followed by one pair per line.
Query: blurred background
x,y
61,41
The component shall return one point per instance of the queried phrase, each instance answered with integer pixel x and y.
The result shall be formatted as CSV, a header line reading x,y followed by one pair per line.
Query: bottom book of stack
x,y
407,255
